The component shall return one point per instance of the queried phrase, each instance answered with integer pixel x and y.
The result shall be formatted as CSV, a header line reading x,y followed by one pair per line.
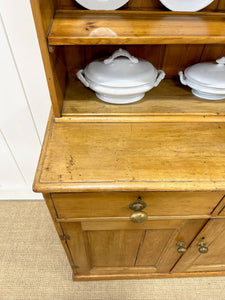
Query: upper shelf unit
x,y
77,27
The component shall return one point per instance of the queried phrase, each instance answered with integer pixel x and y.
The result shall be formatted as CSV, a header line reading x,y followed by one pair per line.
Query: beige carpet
x,y
33,266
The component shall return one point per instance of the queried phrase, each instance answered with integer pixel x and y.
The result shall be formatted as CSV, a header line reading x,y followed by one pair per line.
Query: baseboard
x,y
19,193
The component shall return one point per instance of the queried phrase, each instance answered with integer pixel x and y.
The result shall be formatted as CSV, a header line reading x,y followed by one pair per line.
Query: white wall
x,y
24,100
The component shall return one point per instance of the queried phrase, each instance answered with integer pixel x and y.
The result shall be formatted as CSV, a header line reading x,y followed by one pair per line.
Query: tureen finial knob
x,y
221,61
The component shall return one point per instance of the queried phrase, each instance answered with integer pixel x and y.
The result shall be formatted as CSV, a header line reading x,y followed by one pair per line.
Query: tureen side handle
x,y
160,77
182,78
80,76
221,61
121,52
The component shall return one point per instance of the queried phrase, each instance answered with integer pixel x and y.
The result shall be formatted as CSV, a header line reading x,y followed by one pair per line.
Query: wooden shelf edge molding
x,y
140,119
126,27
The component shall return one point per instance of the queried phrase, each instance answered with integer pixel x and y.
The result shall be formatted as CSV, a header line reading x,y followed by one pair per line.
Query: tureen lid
x,y
211,74
121,70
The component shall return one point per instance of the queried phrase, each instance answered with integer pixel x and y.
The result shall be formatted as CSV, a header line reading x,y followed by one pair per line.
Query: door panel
x,y
122,247
149,255
213,235
77,248
114,248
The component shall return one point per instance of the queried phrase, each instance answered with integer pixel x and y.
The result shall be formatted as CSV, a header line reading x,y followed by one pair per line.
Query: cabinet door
x,y
122,247
213,235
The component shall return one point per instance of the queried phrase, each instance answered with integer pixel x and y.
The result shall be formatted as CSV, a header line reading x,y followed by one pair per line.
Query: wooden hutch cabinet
x,y
160,161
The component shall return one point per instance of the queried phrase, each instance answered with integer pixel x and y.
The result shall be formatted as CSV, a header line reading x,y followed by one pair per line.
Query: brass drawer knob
x,y
202,248
181,249
138,216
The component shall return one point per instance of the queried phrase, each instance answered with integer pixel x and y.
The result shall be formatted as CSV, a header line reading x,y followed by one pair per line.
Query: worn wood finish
x,y
86,205
146,276
58,227
132,157
218,210
128,225
170,101
222,212
114,248
86,27
77,246
91,172
150,218
214,236
117,250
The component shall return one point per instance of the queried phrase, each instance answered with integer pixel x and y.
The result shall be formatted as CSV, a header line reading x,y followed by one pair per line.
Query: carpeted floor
x,y
33,266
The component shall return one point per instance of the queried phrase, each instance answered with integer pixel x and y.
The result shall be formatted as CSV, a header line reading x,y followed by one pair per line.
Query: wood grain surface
x,y
213,234
169,100
132,156
164,204
86,27
216,5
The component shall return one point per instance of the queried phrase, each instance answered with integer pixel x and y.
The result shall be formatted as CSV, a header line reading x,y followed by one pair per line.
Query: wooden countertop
x,y
91,157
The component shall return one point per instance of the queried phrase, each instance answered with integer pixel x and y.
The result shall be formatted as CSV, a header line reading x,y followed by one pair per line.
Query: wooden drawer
x,y
84,205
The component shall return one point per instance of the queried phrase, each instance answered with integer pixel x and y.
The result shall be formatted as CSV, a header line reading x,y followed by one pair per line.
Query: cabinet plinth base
x,y
144,276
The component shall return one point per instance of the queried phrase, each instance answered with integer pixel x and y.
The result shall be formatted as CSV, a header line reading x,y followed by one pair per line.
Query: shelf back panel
x,y
170,58
216,5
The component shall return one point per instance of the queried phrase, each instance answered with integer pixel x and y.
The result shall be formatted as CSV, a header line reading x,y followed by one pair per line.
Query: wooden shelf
x,y
136,27
78,157
170,101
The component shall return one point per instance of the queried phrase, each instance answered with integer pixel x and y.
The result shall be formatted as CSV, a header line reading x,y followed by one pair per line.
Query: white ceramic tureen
x,y
186,5
207,79
121,78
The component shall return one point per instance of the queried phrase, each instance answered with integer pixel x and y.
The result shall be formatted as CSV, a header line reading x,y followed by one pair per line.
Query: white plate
x,y
185,5
102,4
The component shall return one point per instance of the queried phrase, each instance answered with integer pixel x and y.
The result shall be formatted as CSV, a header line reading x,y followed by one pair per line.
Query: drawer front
x,y
85,205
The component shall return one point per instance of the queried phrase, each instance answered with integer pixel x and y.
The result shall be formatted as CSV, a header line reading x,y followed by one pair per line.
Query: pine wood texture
x,y
214,236
170,58
148,248
222,212
58,227
98,158
216,5
90,205
170,101
119,27
132,157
